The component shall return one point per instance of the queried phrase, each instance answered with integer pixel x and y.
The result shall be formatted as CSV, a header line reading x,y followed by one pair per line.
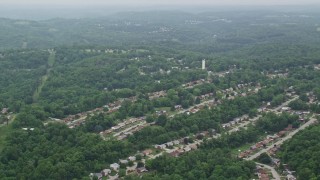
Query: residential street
x,y
285,104
311,121
259,116
275,174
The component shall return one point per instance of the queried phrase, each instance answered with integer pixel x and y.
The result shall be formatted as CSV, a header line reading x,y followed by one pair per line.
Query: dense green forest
x,y
51,70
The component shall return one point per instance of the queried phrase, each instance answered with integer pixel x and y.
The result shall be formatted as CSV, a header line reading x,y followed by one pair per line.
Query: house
x,y
281,133
276,161
193,146
98,175
161,146
213,132
237,120
123,161
264,177
259,145
169,144
115,166
285,108
106,172
272,151
289,128
225,125
187,149
5,110
175,153
142,169
262,174
115,128
232,123
254,147
290,177
178,107
176,142
147,152
132,158
302,120
115,177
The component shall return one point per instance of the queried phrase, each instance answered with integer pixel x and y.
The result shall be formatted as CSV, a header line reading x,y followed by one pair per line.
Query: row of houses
x,y
132,130
183,149
277,75
107,51
112,171
156,95
265,142
122,125
194,83
235,121
168,144
163,112
206,96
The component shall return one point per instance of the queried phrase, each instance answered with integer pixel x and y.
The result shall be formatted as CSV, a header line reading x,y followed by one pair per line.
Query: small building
x,y
285,108
106,172
161,146
176,142
123,161
98,175
290,177
147,152
132,158
141,170
169,144
193,146
5,110
115,166
175,153
187,149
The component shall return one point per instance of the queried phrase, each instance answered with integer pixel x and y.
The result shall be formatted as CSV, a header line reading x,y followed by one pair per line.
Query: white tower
x,y
203,64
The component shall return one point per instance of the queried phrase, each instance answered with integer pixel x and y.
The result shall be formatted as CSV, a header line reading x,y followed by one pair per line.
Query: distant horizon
x,y
43,12
162,2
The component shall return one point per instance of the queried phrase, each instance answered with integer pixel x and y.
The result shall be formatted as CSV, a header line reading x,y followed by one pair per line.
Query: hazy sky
x,y
162,2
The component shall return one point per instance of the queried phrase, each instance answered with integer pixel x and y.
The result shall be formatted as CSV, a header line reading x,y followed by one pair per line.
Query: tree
x,y
162,120
197,101
122,172
264,158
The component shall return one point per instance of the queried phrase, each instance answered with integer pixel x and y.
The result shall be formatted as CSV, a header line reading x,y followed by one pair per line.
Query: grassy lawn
x,y
163,109
168,109
236,151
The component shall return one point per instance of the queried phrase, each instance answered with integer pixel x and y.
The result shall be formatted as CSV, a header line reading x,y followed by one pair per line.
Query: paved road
x,y
259,116
244,124
311,121
285,104
275,174
130,128
203,103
